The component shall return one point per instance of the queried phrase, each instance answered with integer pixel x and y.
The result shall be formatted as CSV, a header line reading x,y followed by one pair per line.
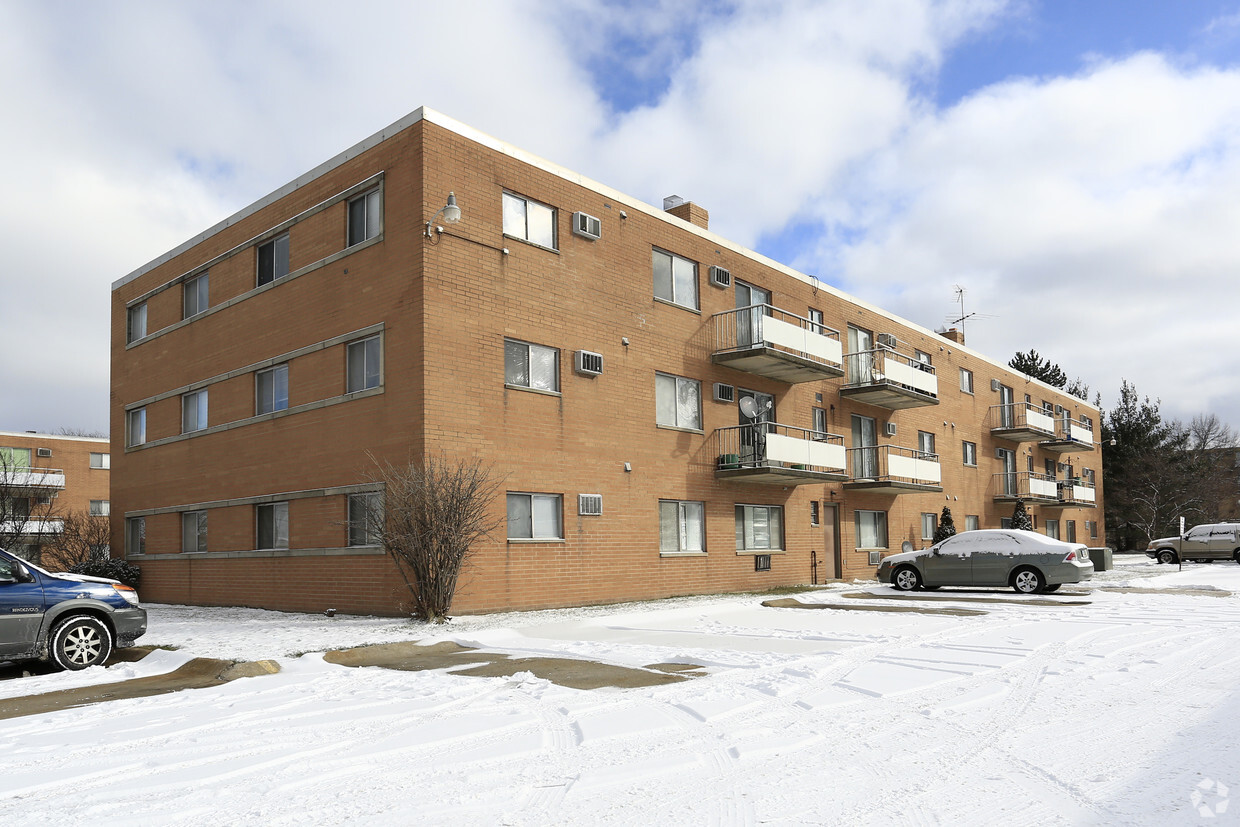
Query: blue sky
x,y
1072,165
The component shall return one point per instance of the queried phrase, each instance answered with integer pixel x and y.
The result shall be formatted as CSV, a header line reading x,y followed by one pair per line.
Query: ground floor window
x,y
871,529
194,531
534,517
928,525
682,527
1052,529
272,520
135,535
759,527
971,522
364,511
1070,531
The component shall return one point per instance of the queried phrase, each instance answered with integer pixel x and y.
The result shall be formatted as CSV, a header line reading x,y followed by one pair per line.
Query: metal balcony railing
x,y
770,445
1021,420
1070,435
889,379
765,340
892,464
1025,485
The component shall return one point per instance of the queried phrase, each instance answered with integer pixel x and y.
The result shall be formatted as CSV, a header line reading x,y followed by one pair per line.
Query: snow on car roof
x,y
989,537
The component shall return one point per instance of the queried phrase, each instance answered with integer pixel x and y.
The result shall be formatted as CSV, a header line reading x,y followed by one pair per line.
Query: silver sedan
x,y
1026,561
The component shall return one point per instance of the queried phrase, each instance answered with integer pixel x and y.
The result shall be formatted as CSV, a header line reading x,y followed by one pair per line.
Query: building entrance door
x,y
831,540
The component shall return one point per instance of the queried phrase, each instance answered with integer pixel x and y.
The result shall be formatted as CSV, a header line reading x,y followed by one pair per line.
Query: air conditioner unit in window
x,y
887,340
44,452
720,277
998,453
876,557
587,226
724,393
994,384
590,505
588,363
890,429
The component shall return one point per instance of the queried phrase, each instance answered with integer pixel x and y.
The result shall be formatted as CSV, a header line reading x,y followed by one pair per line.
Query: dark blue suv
x,y
70,620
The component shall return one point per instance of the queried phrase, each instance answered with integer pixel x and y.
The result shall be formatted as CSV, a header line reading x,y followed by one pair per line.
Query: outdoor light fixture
x,y
451,214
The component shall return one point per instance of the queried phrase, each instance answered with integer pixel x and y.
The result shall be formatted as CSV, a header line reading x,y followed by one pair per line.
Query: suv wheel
x,y
80,641
1166,556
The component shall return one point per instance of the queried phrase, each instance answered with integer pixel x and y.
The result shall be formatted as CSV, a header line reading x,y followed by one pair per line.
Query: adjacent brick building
x,y
671,413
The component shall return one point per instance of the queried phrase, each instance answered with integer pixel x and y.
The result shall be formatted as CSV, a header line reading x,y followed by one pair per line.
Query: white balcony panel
x,y
33,528
913,377
1082,494
1037,419
794,337
788,449
1043,488
35,478
1080,433
922,470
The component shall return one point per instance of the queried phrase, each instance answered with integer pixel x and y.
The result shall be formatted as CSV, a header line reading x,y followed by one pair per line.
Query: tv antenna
x,y
960,320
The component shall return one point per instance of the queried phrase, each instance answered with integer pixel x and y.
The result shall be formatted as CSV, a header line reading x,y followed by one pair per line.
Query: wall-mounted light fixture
x,y
451,214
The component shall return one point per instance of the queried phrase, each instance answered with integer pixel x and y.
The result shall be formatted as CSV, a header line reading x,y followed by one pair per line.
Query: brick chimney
x,y
955,335
687,211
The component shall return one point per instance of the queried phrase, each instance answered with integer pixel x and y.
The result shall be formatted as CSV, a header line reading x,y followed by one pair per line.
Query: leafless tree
x,y
66,431
433,513
26,510
83,538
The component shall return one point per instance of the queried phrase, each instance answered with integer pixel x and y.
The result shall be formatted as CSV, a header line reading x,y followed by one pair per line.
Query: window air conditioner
x,y
588,363
590,505
998,453
994,384
890,429
724,393
587,226
44,452
887,340
762,562
720,277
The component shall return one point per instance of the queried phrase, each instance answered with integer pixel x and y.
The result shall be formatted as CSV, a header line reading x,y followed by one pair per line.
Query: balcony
x,y
766,341
1075,493
1069,436
32,481
1021,422
893,469
1027,486
889,380
768,453
32,528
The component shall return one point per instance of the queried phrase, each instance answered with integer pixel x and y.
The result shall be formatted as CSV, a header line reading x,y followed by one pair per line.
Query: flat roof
x,y
38,435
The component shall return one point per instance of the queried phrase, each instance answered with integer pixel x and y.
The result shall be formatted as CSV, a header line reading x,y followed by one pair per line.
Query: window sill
x,y
535,540
868,550
750,552
682,554
675,304
677,428
531,390
533,244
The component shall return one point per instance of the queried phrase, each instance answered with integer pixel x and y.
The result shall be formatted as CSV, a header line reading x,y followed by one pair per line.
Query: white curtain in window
x,y
543,373
684,274
546,516
665,399
514,216
688,404
691,527
541,222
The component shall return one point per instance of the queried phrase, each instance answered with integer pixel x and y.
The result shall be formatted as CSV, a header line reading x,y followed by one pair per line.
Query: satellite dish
x,y
749,407
906,547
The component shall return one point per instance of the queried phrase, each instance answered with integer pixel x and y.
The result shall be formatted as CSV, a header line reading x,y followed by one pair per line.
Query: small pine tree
x,y
1020,517
947,527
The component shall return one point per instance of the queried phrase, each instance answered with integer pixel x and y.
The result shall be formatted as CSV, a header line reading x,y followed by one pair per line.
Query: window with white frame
x,y
675,279
197,293
966,380
272,525
365,517
529,221
194,531
925,442
759,527
135,535
364,364
365,216
194,411
100,508
1070,531
12,458
534,516
100,460
136,327
929,522
1087,474
1052,529
923,359
969,452
531,366
682,527
677,402
271,390
135,427
816,324
971,522
871,529
820,422
273,259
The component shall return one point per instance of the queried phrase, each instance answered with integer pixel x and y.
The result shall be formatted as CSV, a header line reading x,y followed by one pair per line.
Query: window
x,y
193,411
534,517
1070,531
966,380
14,458
813,513
1087,474
1092,525
194,531
271,390
677,402
135,535
1051,468
929,522
815,321
1052,529
137,323
971,522
970,453
365,513
529,221
531,366
273,260
136,425
365,217
925,442
197,295
364,367
100,508
272,520
100,460
675,279
923,359
1005,522
682,527
759,527
871,529
820,422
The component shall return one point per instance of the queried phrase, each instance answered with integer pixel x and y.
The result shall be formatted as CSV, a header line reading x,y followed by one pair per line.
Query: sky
x,y
1064,170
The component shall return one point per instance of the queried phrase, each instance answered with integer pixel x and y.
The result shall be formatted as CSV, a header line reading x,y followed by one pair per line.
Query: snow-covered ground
x,y
1121,710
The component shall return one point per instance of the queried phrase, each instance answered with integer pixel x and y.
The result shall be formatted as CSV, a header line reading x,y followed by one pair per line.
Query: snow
x,y
1118,706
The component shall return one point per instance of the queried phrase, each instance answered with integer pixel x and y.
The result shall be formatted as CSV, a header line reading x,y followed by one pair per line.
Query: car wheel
x,y
906,579
1166,556
1051,587
1236,555
1027,581
81,641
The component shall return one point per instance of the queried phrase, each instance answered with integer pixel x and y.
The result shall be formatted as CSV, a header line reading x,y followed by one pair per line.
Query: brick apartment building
x,y
43,477
670,412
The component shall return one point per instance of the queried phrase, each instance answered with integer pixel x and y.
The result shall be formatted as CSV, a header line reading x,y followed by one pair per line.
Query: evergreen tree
x,y
1020,517
1034,365
947,527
